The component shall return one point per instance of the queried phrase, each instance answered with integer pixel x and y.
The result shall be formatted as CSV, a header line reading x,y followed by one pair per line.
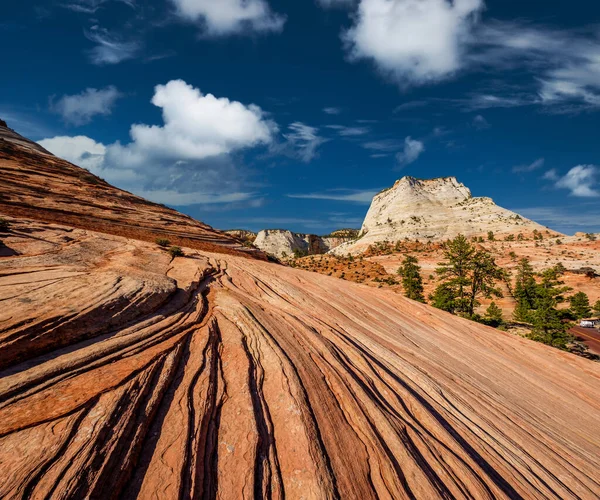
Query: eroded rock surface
x,y
128,375
433,210
283,243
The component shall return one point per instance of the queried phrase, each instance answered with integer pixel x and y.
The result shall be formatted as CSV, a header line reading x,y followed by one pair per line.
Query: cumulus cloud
x,y
412,150
413,41
79,109
303,140
536,165
189,159
226,17
581,181
110,49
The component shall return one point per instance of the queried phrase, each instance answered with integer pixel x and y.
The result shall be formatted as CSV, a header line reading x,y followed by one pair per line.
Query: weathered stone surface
x,y
36,184
126,374
433,210
282,243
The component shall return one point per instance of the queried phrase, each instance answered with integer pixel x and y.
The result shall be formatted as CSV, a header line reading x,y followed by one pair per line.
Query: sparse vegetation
x,y
175,251
493,316
162,242
491,236
596,308
412,283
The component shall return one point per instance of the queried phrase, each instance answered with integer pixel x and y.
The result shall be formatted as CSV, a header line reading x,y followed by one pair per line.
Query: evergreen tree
x,y
444,298
493,315
548,326
596,308
580,305
525,291
412,282
466,275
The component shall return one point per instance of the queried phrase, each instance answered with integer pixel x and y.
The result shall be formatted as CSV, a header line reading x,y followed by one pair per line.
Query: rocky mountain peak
x,y
433,210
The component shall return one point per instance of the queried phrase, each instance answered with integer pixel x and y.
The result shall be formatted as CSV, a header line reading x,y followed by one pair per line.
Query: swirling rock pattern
x,y
128,375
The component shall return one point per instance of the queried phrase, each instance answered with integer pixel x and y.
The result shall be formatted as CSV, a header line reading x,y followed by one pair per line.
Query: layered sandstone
x,y
433,210
125,373
37,184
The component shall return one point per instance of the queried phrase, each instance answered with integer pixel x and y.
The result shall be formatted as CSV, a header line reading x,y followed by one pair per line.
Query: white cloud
x,y
226,17
80,150
349,131
412,150
188,159
480,123
350,195
79,109
413,41
551,175
304,140
332,111
536,165
581,181
109,48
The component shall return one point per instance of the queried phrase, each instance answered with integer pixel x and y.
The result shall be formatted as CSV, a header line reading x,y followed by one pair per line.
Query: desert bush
x,y
176,252
4,225
162,242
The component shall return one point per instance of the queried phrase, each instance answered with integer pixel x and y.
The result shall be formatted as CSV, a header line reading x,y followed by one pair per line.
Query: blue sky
x,y
281,114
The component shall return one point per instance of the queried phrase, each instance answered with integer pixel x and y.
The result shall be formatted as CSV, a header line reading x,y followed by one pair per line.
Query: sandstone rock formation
x,y
39,185
127,374
433,210
282,243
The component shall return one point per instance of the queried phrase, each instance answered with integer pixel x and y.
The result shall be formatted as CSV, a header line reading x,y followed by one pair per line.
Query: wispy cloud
x,y
410,105
349,195
564,219
536,165
332,111
349,131
480,123
384,145
303,140
110,48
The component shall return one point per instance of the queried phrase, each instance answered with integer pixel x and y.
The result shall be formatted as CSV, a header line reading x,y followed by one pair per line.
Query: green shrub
x,y
162,242
176,252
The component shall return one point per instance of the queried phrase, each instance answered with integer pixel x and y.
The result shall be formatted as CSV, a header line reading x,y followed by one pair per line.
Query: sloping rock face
x,y
125,374
433,210
36,184
128,375
282,243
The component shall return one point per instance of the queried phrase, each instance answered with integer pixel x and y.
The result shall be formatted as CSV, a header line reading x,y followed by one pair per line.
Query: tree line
x,y
469,274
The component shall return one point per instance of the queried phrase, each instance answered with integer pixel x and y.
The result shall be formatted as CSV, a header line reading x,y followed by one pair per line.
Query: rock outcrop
x,y
433,210
282,243
39,185
127,374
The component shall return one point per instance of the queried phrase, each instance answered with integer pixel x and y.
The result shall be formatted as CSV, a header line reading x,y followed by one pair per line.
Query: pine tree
x,y
596,308
493,315
412,282
444,298
547,324
580,305
525,291
467,274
